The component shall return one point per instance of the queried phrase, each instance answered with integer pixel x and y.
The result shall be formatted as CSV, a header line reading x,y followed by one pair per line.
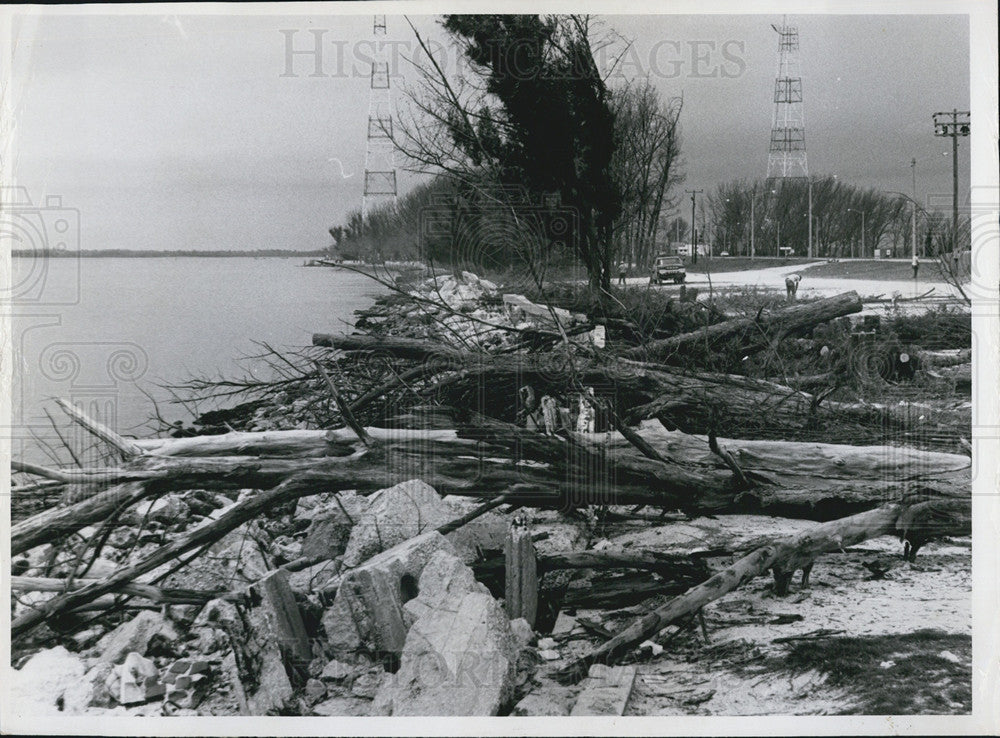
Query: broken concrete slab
x,y
444,581
139,680
522,633
606,690
367,683
331,525
272,600
336,671
256,669
487,532
367,613
454,662
315,577
135,635
234,561
539,704
394,515
170,509
346,705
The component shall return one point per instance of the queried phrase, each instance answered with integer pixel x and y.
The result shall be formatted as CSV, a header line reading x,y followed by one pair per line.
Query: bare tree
x,y
646,164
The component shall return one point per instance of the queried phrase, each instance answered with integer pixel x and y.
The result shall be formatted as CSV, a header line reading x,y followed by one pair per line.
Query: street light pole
x,y
852,210
694,230
753,251
915,206
862,234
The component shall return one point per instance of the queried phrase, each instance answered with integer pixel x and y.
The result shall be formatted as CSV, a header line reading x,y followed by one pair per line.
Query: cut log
x,y
752,334
959,374
952,357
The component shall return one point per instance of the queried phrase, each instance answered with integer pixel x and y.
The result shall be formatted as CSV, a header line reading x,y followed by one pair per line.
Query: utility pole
x,y
957,126
753,250
913,225
810,249
694,230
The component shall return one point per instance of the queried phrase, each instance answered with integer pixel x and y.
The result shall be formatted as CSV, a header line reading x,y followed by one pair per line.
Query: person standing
x,y
622,271
916,265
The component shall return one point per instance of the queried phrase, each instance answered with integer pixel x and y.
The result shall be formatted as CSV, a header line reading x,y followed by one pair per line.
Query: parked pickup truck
x,y
668,268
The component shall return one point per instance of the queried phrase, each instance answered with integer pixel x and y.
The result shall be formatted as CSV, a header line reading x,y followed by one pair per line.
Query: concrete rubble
x,y
367,613
395,515
135,635
606,690
459,656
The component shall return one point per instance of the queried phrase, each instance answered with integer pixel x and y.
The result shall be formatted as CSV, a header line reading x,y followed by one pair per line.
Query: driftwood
x,y
150,592
783,558
753,334
818,481
126,447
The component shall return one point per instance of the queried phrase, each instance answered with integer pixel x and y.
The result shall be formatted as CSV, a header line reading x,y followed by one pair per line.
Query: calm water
x,y
100,331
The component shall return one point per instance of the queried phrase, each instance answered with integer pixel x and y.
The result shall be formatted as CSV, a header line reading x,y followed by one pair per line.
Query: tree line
x,y
847,221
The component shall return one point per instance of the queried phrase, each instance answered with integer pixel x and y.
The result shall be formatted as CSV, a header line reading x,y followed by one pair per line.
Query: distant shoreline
x,y
138,254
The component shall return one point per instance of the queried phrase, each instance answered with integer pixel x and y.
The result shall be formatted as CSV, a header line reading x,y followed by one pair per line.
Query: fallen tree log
x,y
53,524
952,357
150,592
959,374
751,334
475,463
412,349
124,446
782,558
836,476
806,480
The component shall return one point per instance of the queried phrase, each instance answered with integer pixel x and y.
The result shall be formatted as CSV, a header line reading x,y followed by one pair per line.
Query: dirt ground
x,y
861,642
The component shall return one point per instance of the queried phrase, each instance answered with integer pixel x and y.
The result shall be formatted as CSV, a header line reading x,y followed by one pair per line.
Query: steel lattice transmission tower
x,y
786,158
380,164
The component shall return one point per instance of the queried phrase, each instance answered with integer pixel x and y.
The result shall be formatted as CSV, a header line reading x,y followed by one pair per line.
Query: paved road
x,y
773,278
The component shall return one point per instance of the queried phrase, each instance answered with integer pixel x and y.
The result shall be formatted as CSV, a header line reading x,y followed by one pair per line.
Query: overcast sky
x,y
199,132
